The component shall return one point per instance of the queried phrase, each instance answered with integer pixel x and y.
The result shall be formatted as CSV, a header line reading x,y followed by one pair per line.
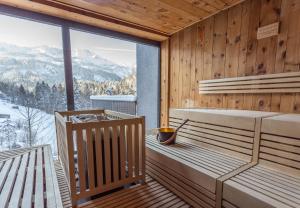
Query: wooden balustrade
x,y
98,156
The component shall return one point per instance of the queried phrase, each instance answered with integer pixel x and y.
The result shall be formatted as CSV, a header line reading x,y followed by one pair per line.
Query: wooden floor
x,y
151,194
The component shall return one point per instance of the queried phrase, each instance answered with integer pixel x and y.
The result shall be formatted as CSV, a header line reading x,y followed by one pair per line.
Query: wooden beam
x,y
72,16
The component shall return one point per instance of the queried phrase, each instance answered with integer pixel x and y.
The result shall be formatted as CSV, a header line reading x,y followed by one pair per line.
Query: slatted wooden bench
x,y
275,181
28,179
212,145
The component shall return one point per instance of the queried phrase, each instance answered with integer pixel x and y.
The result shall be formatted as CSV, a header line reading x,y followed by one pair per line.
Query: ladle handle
x,y
185,121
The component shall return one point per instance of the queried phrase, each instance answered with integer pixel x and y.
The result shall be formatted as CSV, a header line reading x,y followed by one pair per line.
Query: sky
x,y
31,34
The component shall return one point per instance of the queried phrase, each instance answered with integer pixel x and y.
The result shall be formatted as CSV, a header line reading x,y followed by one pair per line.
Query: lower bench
x,y
275,181
261,187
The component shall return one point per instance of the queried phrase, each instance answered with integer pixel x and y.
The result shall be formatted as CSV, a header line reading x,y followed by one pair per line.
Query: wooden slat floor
x,y
151,194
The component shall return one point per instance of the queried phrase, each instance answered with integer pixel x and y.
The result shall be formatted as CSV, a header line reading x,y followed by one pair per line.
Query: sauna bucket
x,y
168,135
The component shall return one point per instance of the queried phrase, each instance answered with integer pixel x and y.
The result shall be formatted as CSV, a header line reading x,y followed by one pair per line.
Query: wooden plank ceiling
x,y
161,17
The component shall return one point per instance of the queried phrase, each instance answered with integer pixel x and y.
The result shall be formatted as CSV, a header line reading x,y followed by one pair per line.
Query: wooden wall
x,y
225,45
164,86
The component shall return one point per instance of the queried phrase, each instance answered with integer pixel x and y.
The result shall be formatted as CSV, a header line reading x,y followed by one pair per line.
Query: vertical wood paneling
x,y
225,45
185,68
193,81
233,41
164,77
219,52
174,70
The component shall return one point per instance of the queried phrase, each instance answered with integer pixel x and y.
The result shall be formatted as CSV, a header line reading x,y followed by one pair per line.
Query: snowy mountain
x,y
31,64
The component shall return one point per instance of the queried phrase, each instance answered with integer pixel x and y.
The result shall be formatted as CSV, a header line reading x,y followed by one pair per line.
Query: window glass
x,y
101,66
31,82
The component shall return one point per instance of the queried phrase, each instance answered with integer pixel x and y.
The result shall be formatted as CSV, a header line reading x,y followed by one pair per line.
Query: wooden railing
x,y
99,156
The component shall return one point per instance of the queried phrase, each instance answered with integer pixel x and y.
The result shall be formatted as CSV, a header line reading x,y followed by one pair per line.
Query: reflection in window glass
x,y
101,66
31,82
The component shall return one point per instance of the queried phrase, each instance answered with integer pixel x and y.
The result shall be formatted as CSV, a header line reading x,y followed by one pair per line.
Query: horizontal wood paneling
x,y
225,45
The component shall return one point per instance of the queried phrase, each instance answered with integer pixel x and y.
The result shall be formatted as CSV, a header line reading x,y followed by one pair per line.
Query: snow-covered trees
x,y
32,104
8,133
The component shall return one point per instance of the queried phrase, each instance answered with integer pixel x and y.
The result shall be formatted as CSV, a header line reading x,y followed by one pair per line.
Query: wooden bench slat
x,y
243,196
215,132
218,137
217,128
9,181
210,163
275,185
281,139
4,172
280,146
281,153
216,144
27,195
265,192
181,186
18,188
52,189
274,172
39,181
272,178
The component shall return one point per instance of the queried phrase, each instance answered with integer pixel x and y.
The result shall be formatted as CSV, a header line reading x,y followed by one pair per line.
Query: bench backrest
x,y
280,143
229,131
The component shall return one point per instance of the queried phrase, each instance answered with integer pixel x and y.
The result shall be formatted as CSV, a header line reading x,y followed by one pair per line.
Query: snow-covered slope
x,y
45,128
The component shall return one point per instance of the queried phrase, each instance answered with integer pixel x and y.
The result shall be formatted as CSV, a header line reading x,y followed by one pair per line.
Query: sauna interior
x,y
150,103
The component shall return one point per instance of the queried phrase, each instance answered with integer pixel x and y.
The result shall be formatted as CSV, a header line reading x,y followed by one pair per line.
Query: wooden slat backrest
x,y
106,154
280,143
228,131
277,83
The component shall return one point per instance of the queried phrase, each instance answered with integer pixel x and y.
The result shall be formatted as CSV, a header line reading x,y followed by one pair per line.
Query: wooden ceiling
x,y
160,17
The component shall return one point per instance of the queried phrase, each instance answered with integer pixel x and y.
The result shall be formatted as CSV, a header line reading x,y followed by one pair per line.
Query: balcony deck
x,y
151,194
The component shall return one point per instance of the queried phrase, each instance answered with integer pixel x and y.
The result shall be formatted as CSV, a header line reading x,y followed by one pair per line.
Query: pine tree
x,y
8,133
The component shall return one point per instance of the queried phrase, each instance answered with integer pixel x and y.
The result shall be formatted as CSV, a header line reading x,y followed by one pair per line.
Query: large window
x,y
49,64
31,82
101,66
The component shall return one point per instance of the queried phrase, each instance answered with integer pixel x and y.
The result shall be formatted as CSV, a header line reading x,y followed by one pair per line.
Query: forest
x,y
36,105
